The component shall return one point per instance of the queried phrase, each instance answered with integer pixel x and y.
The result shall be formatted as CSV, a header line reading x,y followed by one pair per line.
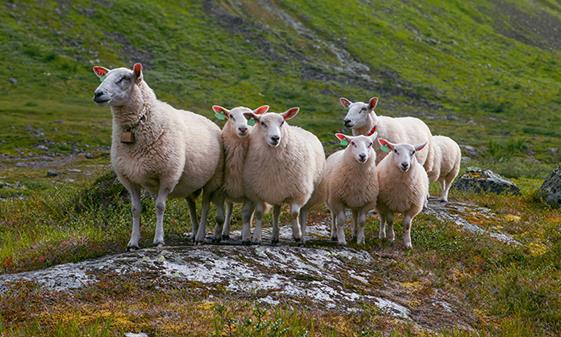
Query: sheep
x,y
352,183
235,136
284,164
446,163
361,118
403,187
169,152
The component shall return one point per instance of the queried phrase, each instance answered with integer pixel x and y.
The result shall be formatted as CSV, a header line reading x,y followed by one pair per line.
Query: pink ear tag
x,y
344,142
385,148
220,116
251,122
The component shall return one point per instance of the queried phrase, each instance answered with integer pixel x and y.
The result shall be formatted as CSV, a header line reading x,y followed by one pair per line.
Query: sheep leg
x,y
407,231
354,224
443,194
160,210
303,218
295,215
218,200
193,215
136,209
259,210
390,234
247,211
276,229
341,227
382,231
201,232
361,219
333,226
227,220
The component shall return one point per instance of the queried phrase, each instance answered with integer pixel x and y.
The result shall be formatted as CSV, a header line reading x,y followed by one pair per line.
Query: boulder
x,y
478,180
550,192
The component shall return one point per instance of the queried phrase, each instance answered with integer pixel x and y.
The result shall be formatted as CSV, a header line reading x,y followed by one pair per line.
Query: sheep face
x,y
361,147
358,112
238,118
271,125
402,155
117,84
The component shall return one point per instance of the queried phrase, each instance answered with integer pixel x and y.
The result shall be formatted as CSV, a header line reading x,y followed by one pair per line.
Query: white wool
x,y
446,163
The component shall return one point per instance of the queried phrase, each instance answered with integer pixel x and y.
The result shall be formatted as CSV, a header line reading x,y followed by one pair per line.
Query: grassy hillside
x,y
486,73
470,69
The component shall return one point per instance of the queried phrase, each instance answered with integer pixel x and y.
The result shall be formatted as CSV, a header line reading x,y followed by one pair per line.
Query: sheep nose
x,y
98,93
404,166
347,122
275,139
242,129
362,157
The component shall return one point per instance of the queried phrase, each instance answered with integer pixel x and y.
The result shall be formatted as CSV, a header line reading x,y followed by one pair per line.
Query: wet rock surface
x,y
478,180
550,191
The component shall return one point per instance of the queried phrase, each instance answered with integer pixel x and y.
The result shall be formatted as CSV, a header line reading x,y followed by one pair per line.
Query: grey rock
x,y
478,180
52,173
469,150
550,192
13,80
134,334
89,155
42,147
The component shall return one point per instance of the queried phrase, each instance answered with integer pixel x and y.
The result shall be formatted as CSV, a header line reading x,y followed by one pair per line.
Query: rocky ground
x,y
319,276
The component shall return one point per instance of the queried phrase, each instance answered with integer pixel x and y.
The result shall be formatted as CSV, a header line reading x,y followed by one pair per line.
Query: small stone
x,y
13,80
51,173
469,150
550,192
42,147
74,170
89,155
134,334
478,181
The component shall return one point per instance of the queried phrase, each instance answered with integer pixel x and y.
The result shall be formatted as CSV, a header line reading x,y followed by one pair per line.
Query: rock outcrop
x,y
478,180
550,192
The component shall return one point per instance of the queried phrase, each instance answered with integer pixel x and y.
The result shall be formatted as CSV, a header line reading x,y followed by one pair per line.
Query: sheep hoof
x,y
334,238
158,244
132,248
246,243
297,239
215,240
256,242
274,242
225,237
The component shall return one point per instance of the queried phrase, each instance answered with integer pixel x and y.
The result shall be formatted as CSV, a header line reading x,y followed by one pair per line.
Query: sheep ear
x,y
420,146
261,110
344,102
250,115
384,142
340,136
290,113
372,131
344,139
137,69
221,111
372,103
100,71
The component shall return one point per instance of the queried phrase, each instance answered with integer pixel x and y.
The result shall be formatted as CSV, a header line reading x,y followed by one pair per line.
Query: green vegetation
x,y
485,73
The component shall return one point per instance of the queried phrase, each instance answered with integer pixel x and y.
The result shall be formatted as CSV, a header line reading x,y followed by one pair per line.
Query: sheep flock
x,y
261,162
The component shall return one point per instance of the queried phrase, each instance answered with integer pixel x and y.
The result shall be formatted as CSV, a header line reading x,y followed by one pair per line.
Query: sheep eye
x,y
232,118
121,79
363,109
264,125
395,151
413,152
369,145
282,123
353,144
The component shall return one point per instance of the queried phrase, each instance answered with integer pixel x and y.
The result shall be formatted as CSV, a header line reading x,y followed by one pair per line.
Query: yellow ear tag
x,y
385,148
251,122
219,116
344,142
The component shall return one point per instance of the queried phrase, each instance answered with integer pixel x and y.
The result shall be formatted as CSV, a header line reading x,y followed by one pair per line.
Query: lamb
x,y
284,164
361,118
446,163
403,188
352,183
169,152
235,136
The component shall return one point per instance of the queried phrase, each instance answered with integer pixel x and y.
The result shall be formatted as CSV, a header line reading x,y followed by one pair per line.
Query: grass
x,y
455,64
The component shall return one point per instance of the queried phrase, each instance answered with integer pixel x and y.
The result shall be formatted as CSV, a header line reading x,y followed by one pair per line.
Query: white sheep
x,y
235,136
352,183
447,158
169,152
403,188
284,165
361,118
